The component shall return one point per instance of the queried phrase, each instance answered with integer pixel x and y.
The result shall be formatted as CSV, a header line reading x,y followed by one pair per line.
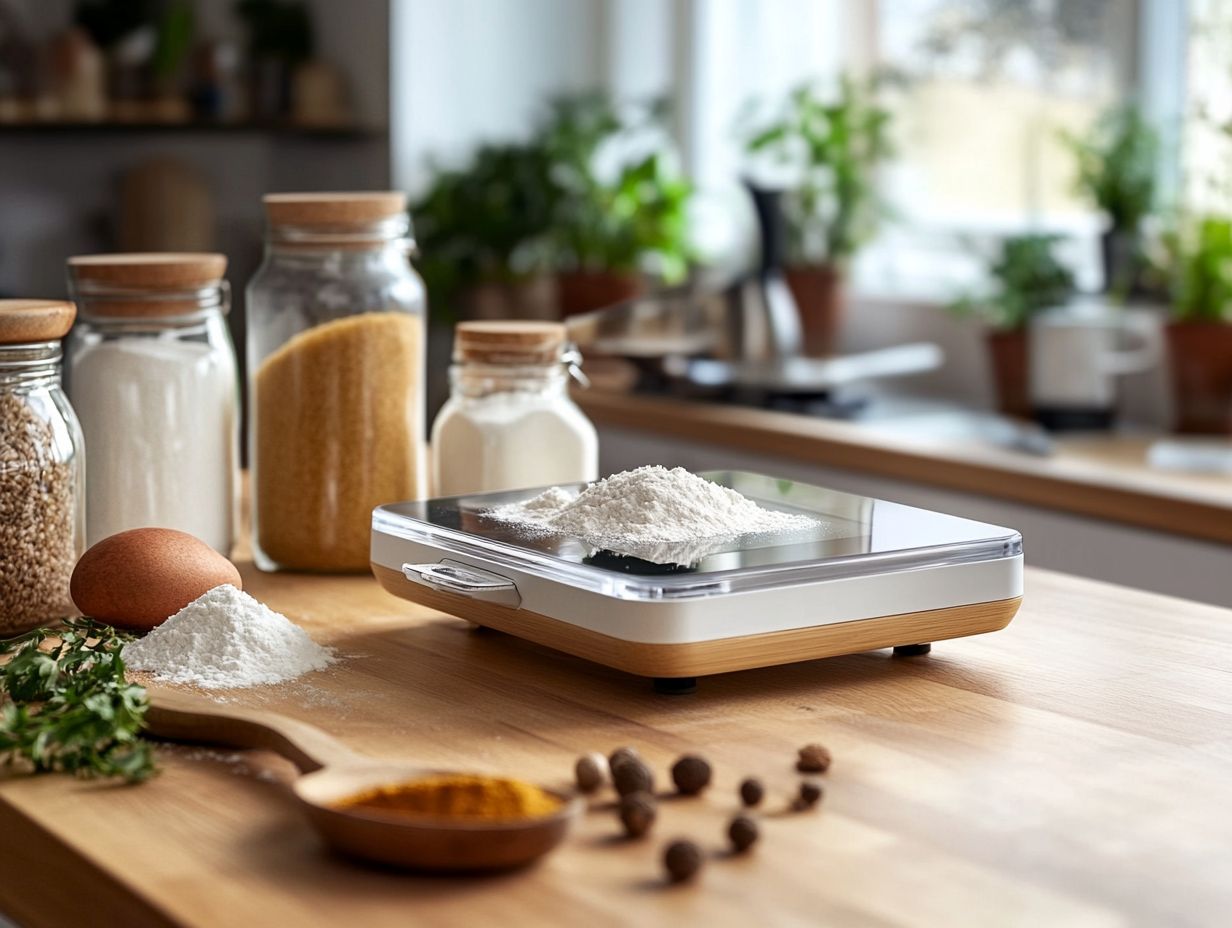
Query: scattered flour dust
x,y
649,506
226,639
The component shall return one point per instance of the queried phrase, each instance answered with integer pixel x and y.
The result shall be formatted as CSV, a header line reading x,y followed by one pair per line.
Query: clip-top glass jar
x,y
336,371
42,522
152,375
509,422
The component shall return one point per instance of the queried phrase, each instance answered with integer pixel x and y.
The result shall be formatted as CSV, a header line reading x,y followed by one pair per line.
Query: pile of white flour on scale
x,y
646,507
225,639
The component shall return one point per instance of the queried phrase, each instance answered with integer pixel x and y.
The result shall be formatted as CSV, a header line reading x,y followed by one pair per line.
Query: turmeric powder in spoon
x,y
456,796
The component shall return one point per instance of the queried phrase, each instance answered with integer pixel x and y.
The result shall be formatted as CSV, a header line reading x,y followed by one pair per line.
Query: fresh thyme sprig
x,y
65,704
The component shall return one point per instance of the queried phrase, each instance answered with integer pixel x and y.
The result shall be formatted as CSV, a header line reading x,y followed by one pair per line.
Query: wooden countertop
x,y
1105,478
1075,768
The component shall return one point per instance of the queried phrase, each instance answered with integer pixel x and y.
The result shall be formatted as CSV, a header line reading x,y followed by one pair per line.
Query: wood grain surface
x,y
1072,769
1102,477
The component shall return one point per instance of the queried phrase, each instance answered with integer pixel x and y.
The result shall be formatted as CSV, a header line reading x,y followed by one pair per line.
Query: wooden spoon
x,y
333,772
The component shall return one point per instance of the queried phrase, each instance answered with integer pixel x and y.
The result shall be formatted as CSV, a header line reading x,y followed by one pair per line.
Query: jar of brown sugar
x,y
336,369
42,514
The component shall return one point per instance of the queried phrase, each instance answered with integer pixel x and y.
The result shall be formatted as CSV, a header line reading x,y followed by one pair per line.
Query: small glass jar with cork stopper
x,y
153,377
42,468
509,422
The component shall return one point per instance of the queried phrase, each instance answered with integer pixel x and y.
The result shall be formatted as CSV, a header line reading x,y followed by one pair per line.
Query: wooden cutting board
x,y
1073,769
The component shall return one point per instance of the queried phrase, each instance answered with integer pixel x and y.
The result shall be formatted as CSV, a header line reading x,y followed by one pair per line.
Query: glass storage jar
x,y
152,375
509,422
42,516
336,373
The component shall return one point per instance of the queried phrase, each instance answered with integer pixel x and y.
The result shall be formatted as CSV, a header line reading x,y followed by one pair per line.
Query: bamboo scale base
x,y
702,658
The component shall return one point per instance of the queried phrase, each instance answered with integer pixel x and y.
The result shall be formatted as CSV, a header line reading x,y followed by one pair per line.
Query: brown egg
x,y
140,578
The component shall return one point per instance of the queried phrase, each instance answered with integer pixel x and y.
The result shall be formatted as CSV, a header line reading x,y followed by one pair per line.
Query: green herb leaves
x,y
834,145
621,202
1026,277
1118,165
65,704
1201,253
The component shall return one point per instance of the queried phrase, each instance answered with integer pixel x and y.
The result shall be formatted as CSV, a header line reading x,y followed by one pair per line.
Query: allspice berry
x,y
810,795
622,754
813,758
590,771
752,792
691,774
631,775
637,813
682,859
743,833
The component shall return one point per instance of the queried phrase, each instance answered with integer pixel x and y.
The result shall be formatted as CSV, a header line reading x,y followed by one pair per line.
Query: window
x,y
1207,133
988,88
984,90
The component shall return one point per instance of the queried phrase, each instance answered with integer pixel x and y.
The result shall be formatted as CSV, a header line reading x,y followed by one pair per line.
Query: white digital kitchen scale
x,y
868,574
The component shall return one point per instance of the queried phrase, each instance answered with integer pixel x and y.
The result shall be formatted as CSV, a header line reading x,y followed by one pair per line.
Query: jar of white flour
x,y
509,422
152,375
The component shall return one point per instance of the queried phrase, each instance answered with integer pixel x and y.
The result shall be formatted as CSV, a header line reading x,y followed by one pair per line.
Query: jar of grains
x,y
509,422
152,375
336,371
42,528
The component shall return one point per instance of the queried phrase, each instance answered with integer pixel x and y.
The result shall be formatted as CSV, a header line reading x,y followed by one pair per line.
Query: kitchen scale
x,y
867,574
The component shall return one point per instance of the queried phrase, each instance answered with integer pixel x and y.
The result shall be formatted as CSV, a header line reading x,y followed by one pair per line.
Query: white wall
x,y
467,71
749,52
645,55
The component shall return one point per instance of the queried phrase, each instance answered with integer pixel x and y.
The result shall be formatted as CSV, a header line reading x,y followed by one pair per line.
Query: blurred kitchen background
x,y
984,223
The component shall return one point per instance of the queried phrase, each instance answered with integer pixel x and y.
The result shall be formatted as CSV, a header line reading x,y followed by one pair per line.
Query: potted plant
x,y
619,202
832,148
1025,278
1200,336
482,231
1118,162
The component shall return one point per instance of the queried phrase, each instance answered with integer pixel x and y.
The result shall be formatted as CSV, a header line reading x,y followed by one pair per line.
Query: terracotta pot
x,y
582,291
528,298
820,296
1007,350
1200,357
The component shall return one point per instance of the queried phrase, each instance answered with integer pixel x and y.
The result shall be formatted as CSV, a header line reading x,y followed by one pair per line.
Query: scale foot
x,y
911,650
675,686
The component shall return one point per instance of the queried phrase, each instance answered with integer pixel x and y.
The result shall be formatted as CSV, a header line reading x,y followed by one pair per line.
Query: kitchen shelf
x,y
72,129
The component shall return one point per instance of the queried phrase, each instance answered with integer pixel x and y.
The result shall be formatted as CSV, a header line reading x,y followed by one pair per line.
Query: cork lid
x,y
143,285
23,322
333,209
156,270
509,342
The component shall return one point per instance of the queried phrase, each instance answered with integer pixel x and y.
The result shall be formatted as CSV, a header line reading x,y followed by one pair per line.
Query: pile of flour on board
x,y
225,639
648,506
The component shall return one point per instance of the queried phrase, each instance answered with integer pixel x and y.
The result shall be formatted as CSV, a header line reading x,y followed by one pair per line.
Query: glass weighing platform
x,y
868,574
